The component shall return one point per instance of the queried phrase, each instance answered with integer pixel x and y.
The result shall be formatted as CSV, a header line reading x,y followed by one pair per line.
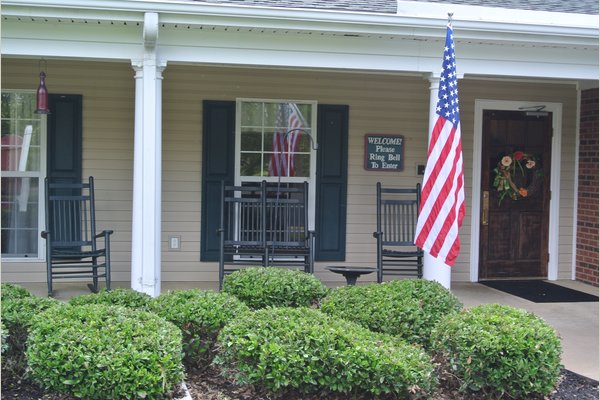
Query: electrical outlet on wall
x,y
174,242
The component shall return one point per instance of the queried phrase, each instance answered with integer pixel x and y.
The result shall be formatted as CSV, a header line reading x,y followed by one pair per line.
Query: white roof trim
x,y
414,19
199,33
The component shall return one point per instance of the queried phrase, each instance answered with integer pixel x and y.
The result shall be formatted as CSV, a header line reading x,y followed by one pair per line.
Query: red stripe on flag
x,y
428,184
452,215
433,211
439,221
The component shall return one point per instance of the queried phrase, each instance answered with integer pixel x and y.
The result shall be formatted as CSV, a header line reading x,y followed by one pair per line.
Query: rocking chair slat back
x,y
266,226
397,213
72,249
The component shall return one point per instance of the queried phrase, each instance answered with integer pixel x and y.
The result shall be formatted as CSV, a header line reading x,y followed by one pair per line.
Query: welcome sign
x,y
384,152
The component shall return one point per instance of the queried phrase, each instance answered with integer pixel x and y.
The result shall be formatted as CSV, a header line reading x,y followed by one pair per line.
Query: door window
x,y
23,167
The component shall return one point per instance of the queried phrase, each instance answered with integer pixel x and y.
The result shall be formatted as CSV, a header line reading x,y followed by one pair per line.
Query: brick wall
x,y
586,269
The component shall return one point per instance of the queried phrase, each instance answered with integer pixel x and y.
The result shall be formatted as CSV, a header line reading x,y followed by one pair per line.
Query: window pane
x,y
6,126
302,165
273,115
33,161
250,164
11,152
20,133
305,111
6,105
25,105
251,140
21,153
252,114
283,126
304,141
19,216
268,141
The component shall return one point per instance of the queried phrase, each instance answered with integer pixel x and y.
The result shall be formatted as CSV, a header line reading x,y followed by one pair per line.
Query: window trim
x,y
312,179
41,257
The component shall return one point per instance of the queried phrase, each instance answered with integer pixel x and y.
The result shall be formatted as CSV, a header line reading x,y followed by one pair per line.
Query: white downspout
x,y
576,184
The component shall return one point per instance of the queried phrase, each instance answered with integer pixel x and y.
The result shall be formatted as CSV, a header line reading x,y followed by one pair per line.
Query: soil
x,y
209,385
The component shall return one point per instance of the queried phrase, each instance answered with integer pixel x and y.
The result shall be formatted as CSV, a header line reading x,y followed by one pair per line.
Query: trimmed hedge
x,y
13,291
3,339
105,352
303,349
117,297
407,308
17,316
495,350
200,315
261,287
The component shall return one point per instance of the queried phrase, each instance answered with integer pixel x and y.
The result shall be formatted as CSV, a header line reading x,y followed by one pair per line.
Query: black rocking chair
x,y
397,212
264,226
72,250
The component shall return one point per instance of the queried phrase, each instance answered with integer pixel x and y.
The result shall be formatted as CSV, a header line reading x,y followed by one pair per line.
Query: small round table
x,y
351,273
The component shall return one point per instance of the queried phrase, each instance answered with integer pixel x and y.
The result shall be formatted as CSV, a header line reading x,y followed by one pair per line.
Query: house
x,y
160,100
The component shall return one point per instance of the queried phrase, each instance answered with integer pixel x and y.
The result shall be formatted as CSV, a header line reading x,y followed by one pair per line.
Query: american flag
x,y
288,119
443,197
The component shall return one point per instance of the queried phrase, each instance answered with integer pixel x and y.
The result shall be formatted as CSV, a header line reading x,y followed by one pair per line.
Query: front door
x,y
515,191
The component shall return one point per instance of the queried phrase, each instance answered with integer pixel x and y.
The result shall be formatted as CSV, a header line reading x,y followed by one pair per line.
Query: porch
x,y
577,323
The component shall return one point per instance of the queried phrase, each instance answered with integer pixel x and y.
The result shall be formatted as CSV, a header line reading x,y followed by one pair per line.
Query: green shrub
x,y
4,339
12,291
98,351
495,350
305,350
260,287
200,315
117,297
17,315
405,308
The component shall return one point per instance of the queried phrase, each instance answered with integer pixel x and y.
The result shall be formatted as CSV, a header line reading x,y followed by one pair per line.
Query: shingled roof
x,y
389,6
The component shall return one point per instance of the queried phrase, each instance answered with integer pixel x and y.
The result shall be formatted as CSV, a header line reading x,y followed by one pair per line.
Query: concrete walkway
x,y
577,323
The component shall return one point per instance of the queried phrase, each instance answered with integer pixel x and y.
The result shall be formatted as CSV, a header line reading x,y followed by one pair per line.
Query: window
x,y
23,167
276,142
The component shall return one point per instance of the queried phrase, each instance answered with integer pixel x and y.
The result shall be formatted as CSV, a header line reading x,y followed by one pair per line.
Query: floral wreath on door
x,y
517,176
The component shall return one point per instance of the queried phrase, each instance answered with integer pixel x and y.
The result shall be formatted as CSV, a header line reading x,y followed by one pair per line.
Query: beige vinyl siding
x,y
379,103
108,118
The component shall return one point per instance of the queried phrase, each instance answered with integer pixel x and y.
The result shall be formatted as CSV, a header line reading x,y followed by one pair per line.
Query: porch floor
x,y
577,323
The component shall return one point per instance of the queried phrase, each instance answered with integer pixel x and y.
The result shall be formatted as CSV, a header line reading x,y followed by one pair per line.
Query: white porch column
x,y
147,165
435,269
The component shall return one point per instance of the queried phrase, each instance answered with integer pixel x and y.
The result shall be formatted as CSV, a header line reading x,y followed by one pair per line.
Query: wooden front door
x,y
514,220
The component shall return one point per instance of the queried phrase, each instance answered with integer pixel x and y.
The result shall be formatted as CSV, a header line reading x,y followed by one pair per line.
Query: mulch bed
x,y
209,385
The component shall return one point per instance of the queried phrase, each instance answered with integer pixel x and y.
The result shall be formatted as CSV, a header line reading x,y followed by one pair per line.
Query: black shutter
x,y
332,173
64,150
64,138
218,151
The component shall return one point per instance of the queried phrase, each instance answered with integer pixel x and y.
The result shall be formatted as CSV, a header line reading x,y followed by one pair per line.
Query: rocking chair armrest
x,y
45,234
104,233
377,234
220,231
